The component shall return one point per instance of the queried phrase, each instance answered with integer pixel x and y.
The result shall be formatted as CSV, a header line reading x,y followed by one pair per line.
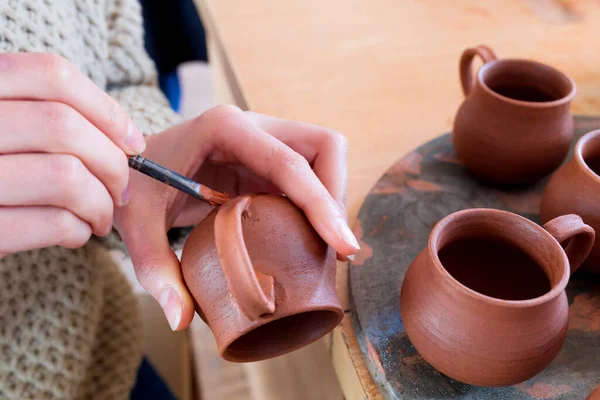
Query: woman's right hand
x,y
63,146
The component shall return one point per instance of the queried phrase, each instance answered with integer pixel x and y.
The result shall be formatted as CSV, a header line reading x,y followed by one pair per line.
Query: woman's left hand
x,y
235,152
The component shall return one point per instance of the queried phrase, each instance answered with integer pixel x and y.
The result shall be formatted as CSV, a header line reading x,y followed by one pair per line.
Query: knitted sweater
x,y
69,322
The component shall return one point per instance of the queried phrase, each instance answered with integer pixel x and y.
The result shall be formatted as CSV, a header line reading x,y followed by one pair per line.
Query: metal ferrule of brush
x,y
165,175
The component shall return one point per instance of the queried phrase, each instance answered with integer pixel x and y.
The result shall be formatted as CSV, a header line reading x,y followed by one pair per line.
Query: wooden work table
x,y
385,73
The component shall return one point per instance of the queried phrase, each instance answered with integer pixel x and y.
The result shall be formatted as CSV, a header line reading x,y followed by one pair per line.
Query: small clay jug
x,y
485,303
575,188
515,124
261,278
595,395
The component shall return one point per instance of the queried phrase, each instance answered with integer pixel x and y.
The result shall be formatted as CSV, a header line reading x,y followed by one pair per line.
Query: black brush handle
x,y
165,175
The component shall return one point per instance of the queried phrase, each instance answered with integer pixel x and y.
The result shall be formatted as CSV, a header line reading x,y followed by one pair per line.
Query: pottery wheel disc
x,y
393,226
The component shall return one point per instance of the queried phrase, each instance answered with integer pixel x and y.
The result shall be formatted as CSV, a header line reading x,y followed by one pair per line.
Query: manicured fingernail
x,y
351,257
347,236
125,196
171,305
135,140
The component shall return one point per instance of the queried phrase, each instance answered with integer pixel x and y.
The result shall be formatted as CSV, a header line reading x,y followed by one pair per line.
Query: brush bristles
x,y
213,197
217,198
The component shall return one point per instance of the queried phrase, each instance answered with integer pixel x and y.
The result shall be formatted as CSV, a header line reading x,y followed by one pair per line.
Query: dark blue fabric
x,y
149,385
173,35
169,84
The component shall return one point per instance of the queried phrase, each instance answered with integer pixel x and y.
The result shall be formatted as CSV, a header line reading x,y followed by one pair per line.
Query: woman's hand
x,y
63,166
236,152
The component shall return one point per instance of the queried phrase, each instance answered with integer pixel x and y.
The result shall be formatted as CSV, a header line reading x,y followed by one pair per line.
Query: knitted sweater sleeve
x,y
132,81
131,76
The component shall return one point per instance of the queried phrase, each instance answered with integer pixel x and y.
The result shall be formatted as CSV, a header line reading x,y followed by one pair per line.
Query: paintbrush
x,y
177,181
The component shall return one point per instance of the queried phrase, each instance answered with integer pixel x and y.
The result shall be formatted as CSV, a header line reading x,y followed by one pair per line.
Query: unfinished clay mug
x,y
515,124
484,303
261,278
575,188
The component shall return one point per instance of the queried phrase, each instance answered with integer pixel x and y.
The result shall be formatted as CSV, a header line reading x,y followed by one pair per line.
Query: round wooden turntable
x,y
393,226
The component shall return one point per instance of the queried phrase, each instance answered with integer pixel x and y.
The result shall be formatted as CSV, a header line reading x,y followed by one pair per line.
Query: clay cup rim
x,y
507,62
329,316
589,141
436,236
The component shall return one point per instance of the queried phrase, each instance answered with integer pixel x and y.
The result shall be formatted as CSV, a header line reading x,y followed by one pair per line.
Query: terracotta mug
x,y
261,278
575,188
485,303
515,125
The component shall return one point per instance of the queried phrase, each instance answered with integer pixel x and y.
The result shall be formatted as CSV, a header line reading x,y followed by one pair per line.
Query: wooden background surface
x,y
385,73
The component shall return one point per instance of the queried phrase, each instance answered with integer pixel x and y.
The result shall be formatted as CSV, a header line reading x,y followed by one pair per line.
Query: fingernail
x,y
351,257
341,257
347,236
171,305
125,196
135,140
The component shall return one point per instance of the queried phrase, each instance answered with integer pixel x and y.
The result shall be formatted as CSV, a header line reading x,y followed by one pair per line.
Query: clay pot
x,y
485,303
595,395
515,125
575,188
261,278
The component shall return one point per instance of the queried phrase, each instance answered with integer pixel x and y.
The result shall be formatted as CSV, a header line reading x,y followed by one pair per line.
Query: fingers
x,y
157,268
193,211
56,180
233,179
325,149
27,228
46,76
52,127
144,222
234,132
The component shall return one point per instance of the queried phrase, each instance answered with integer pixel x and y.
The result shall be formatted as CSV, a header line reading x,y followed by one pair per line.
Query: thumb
x,y
158,270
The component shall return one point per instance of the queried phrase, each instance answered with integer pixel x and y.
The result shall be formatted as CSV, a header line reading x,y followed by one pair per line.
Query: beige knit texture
x,y
69,323
69,326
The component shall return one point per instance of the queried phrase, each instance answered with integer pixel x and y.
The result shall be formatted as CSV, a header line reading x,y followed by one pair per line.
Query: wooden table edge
x,y
348,360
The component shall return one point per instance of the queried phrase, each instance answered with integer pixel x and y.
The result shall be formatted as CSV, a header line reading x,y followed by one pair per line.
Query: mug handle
x,y
581,237
466,65
253,291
